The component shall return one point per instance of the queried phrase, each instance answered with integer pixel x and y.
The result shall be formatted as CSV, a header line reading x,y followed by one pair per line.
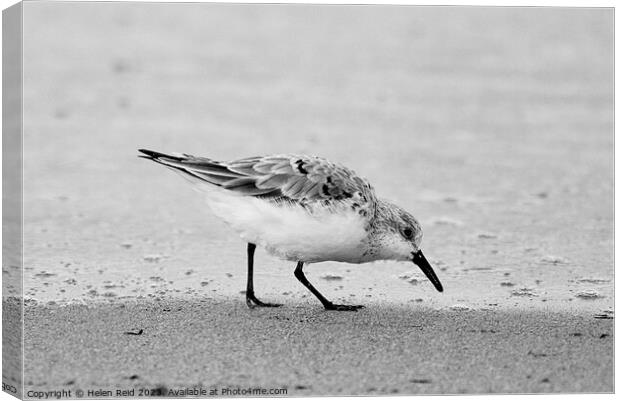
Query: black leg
x,y
299,273
250,298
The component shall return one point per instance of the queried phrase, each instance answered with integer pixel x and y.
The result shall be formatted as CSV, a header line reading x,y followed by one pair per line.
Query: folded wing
x,y
295,178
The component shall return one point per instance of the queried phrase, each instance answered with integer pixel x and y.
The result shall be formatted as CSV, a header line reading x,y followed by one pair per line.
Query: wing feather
x,y
310,189
272,181
295,178
243,169
239,182
293,188
211,178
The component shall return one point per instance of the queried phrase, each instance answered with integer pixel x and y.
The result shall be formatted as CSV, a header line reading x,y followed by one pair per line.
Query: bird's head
x,y
400,236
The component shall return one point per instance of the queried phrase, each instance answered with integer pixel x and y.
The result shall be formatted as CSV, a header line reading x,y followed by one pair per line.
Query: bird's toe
x,y
253,302
343,307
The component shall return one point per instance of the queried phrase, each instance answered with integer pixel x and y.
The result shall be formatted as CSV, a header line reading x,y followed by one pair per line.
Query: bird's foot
x,y
253,302
353,308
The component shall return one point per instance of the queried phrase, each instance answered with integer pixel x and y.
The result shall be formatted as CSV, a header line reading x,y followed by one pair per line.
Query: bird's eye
x,y
408,232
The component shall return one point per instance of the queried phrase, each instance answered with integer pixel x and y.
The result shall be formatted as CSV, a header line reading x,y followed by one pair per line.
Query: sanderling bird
x,y
304,209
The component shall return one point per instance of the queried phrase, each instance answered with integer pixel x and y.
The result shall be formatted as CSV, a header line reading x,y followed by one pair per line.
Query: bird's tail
x,y
203,173
204,170
179,162
162,158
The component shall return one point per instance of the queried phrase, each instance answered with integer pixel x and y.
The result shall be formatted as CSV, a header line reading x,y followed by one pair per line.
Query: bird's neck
x,y
384,213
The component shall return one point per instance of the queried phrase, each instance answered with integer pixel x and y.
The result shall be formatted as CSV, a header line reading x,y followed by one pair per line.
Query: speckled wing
x,y
295,178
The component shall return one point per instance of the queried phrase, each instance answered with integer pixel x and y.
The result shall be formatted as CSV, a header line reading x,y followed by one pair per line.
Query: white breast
x,y
290,232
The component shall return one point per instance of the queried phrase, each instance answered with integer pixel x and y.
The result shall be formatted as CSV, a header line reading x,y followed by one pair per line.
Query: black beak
x,y
420,260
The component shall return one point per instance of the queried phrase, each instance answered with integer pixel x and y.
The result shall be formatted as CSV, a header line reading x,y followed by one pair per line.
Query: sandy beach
x,y
380,350
493,126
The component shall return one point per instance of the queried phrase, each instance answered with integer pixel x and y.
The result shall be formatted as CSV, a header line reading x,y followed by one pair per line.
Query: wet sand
x,y
377,351
504,153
